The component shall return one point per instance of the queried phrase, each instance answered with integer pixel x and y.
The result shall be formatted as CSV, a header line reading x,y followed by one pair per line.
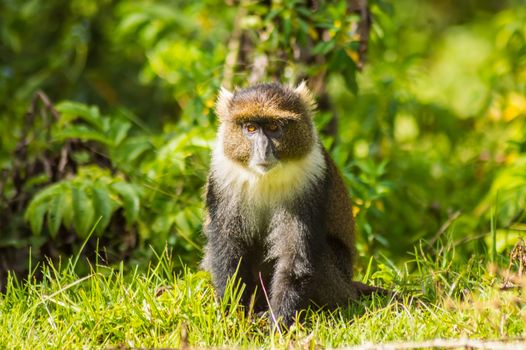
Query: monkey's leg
x,y
226,253
334,278
289,289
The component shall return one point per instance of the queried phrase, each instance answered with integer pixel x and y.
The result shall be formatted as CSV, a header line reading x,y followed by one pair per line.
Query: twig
x,y
269,306
3,177
48,104
233,49
517,254
364,25
259,69
45,298
64,157
503,344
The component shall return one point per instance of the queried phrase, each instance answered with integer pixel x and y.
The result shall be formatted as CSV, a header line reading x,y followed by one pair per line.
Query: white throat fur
x,y
281,183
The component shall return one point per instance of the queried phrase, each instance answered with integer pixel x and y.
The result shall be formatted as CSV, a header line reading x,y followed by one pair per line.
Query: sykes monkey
x,y
276,205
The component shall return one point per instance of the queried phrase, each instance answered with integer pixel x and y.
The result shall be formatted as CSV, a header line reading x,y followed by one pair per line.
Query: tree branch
x,y
233,49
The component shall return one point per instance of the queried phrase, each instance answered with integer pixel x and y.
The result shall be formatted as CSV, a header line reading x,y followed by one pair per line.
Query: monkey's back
x,y
340,221
332,281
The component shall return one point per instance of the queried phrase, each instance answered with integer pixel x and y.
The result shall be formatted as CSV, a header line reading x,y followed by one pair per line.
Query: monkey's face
x,y
261,144
262,137
265,126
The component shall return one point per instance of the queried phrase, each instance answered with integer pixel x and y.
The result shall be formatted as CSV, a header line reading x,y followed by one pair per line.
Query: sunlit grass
x,y
159,308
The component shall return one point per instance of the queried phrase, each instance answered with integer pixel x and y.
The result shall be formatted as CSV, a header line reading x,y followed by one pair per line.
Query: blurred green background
x,y
107,121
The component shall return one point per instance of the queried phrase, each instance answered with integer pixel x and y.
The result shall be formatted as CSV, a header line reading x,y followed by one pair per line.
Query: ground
x,y
160,308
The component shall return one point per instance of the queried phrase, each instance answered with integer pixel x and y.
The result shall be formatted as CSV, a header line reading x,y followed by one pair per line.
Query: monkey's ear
x,y
306,96
223,102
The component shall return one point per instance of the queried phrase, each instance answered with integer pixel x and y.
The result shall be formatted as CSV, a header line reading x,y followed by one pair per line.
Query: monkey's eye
x,y
273,126
251,128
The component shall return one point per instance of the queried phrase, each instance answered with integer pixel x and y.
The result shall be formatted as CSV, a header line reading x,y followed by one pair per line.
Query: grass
x,y
112,308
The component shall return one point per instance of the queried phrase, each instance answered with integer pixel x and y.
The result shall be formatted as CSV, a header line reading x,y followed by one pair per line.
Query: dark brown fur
x,y
301,241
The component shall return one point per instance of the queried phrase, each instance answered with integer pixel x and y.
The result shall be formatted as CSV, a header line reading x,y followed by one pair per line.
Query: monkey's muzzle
x,y
263,168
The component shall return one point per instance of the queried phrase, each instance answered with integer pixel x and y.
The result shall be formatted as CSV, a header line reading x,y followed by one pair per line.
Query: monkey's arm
x,y
224,258
225,251
295,243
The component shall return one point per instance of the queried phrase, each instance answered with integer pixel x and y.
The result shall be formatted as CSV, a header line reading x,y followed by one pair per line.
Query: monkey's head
x,y
266,124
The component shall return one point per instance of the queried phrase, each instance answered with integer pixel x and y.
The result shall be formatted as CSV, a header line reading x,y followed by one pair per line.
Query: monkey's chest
x,y
256,219
259,227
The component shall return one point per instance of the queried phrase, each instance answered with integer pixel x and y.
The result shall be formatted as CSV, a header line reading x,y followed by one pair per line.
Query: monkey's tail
x,y
366,290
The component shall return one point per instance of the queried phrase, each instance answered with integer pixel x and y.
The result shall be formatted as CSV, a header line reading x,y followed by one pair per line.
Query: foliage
x,y
429,130
107,122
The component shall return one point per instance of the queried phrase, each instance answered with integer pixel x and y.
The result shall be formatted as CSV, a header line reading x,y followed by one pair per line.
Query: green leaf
x,y
55,213
71,110
349,75
341,63
130,200
83,212
304,12
385,7
384,273
35,216
131,149
103,207
67,216
323,47
39,203
287,28
119,130
131,22
82,132
47,193
181,220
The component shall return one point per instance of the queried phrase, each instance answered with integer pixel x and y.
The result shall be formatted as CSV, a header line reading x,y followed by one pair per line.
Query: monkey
x,y
278,214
